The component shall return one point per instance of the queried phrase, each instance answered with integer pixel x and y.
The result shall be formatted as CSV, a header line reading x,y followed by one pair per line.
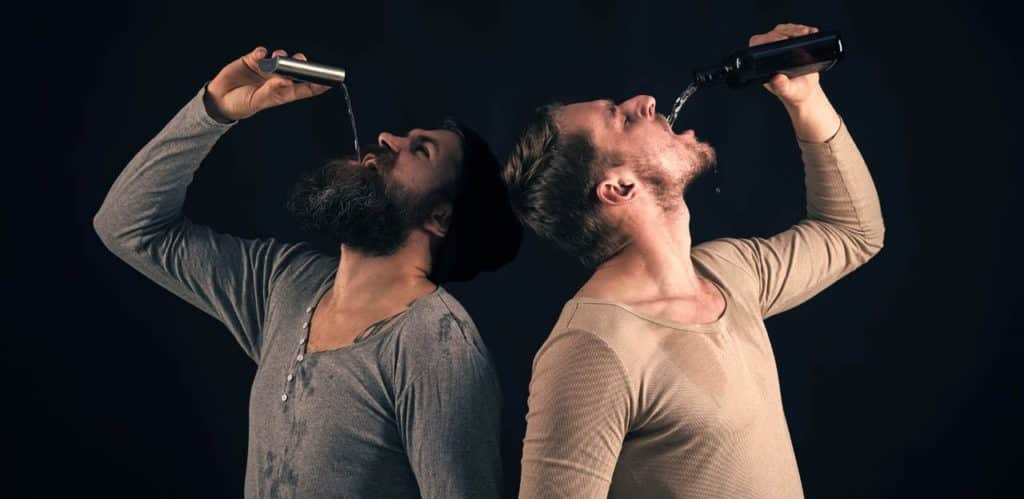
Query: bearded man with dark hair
x,y
372,380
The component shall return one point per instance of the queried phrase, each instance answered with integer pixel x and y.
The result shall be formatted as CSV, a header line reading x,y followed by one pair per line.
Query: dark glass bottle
x,y
793,57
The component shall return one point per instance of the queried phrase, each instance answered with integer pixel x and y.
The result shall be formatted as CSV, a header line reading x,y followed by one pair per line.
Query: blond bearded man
x,y
658,379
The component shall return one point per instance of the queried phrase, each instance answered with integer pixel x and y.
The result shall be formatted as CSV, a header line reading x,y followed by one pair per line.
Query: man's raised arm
x,y
141,219
843,228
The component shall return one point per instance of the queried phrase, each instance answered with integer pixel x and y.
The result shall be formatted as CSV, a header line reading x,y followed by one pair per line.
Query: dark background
x,y
899,380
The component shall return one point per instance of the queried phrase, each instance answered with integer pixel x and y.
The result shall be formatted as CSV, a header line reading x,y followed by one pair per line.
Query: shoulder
x,y
724,254
299,264
574,366
575,348
437,329
730,261
439,318
593,324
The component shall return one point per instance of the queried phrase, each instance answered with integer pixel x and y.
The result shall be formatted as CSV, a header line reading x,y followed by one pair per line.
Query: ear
x,y
617,188
439,220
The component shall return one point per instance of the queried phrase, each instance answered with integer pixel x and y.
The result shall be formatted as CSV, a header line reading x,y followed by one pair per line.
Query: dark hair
x,y
484,233
552,180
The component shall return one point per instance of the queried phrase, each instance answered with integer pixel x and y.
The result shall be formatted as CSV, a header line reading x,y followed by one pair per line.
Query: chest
x,y
343,395
710,384
333,330
295,383
329,418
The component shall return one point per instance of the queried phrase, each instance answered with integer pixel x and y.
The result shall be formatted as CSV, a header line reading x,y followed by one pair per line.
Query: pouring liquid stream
x,y
352,121
683,97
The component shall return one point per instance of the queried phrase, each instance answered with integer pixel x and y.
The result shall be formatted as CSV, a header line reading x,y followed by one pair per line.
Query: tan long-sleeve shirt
x,y
625,404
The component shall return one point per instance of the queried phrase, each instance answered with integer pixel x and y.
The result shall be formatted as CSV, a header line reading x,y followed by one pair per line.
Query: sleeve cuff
x,y
204,114
823,153
842,126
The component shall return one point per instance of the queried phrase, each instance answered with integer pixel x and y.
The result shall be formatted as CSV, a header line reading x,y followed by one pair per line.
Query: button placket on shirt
x,y
301,355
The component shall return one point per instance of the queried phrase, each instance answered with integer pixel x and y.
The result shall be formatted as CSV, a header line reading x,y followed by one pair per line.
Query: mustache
x,y
383,157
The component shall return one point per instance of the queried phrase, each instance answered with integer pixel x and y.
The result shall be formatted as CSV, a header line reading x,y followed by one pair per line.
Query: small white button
x,y
305,325
299,358
309,309
302,341
284,396
289,377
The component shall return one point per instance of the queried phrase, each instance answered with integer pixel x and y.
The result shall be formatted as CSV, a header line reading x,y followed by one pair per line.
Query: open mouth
x,y
664,122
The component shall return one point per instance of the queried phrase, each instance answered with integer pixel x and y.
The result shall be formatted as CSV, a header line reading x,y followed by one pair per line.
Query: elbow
x,y
106,228
863,243
101,224
874,240
126,236
875,232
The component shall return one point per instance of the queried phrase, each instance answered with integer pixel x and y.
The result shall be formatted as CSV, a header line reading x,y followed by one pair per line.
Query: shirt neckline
x,y
318,297
709,327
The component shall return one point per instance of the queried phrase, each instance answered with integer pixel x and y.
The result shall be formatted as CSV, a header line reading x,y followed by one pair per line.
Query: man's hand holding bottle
x,y
241,90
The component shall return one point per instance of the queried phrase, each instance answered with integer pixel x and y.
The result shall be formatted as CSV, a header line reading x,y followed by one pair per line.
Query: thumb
x,y
252,59
257,53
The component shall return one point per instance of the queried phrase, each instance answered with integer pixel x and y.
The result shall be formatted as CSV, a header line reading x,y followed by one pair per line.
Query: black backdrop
x,y
898,380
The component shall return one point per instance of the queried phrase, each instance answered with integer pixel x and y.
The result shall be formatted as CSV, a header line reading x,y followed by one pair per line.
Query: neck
x,y
393,280
655,264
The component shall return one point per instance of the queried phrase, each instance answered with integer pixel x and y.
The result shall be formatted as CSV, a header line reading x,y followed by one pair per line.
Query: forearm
x,y
814,119
150,192
213,110
840,190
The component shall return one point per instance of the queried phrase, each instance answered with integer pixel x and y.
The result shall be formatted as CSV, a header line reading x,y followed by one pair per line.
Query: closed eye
x,y
425,145
419,147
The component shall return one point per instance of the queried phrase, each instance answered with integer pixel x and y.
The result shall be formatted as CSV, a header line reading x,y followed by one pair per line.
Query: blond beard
x,y
667,185
702,157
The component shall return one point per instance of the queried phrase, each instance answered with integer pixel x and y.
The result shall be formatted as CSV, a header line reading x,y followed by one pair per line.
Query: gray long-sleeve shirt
x,y
412,409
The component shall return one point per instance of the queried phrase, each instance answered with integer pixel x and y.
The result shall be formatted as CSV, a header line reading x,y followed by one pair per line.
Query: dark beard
x,y
354,205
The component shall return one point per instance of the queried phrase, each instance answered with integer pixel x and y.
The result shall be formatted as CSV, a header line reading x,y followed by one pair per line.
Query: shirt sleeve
x,y
142,223
450,420
843,229
578,416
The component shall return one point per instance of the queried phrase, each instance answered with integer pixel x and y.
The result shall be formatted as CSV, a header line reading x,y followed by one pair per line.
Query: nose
x,y
642,105
391,141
